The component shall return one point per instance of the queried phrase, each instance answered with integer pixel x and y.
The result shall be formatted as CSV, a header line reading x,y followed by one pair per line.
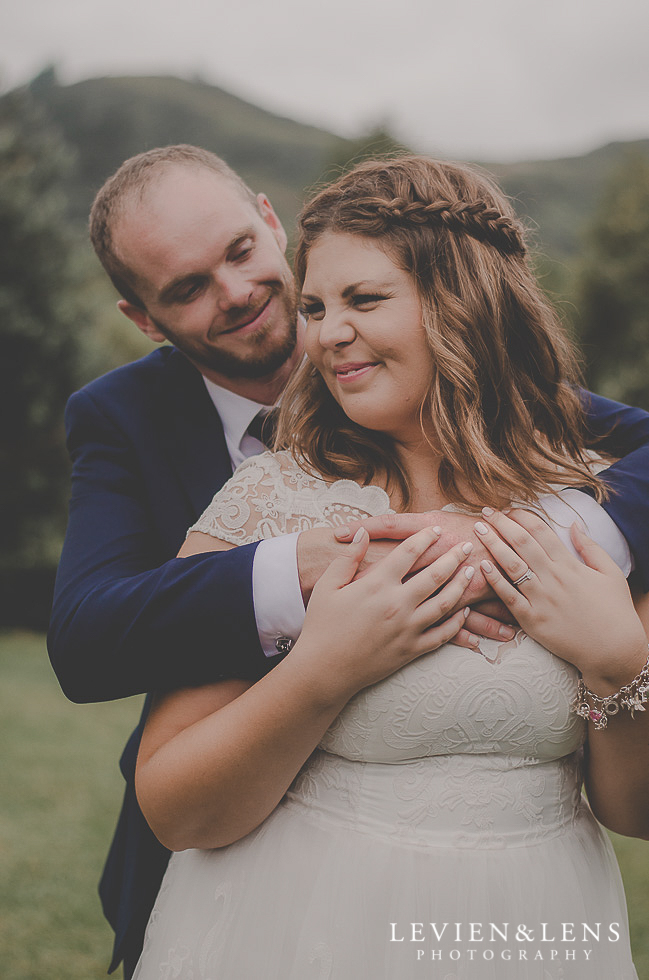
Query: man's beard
x,y
269,357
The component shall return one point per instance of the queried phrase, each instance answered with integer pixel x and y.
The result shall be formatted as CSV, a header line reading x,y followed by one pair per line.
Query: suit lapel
x,y
195,440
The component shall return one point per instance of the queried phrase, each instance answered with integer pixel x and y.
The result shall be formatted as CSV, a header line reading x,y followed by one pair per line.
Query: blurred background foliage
x,y
58,320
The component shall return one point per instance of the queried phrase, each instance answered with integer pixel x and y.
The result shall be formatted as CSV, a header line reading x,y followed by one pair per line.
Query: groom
x,y
199,261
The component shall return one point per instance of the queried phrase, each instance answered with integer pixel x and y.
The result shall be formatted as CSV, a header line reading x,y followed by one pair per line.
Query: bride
x,y
384,803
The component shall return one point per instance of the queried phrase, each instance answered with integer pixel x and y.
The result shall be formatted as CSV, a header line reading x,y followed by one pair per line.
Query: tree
x,y
613,287
40,322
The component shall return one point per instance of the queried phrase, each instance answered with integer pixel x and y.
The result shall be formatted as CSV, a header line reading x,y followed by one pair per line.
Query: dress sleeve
x,y
272,494
254,504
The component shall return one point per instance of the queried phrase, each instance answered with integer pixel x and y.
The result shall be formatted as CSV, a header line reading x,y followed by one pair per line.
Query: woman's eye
x,y
312,311
367,299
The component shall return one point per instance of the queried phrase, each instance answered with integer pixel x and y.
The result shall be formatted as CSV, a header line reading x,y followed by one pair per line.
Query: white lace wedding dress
x,y
445,796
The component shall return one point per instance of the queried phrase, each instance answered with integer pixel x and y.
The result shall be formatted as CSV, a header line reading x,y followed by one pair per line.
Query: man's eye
x,y
188,292
312,311
242,253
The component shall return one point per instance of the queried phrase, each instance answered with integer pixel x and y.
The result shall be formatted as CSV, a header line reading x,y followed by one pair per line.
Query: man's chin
x,y
250,370
264,357
260,365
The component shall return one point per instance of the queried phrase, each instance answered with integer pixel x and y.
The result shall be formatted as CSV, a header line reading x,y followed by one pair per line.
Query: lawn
x,y
61,789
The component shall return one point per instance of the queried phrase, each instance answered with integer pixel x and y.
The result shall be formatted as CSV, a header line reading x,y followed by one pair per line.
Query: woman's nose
x,y
336,330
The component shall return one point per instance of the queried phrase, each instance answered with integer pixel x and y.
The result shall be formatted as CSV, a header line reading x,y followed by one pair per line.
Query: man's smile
x,y
249,323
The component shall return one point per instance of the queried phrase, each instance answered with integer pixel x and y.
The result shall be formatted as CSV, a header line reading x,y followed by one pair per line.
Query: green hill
x,y
560,196
107,120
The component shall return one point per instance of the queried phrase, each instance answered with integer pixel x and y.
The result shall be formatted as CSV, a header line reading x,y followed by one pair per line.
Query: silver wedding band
x,y
524,577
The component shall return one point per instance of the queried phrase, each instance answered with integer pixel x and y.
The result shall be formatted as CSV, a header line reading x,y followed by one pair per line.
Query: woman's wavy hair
x,y
503,400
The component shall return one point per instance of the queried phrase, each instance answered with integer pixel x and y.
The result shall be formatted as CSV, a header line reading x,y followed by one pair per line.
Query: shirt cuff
x,y
571,505
276,593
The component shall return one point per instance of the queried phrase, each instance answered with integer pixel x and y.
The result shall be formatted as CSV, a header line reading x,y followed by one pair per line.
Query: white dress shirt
x,y
277,597
276,593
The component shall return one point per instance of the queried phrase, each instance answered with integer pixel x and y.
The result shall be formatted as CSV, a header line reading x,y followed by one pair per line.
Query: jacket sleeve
x,y
624,432
124,620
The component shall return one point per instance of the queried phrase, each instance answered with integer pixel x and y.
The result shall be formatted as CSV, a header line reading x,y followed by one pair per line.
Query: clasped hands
x,y
488,617
560,599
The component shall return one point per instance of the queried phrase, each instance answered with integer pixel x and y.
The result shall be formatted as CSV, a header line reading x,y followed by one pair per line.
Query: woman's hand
x,y
487,617
583,612
216,760
358,632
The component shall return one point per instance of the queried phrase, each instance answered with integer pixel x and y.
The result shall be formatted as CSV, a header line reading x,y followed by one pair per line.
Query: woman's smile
x,y
347,373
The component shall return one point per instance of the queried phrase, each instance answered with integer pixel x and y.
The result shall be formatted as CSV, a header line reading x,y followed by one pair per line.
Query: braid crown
x,y
474,218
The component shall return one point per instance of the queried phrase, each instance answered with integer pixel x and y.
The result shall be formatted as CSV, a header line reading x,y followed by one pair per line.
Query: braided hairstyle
x,y
503,402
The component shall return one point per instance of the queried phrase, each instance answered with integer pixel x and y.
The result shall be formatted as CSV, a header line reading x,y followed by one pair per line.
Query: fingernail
x,y
486,566
487,511
480,527
342,532
466,611
358,536
467,547
507,632
437,529
469,572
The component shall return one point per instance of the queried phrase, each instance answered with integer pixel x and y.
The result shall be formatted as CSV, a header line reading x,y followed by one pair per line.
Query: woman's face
x,y
365,334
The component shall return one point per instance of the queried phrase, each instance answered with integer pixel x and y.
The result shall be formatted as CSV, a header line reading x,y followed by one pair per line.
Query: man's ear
x,y
271,219
142,320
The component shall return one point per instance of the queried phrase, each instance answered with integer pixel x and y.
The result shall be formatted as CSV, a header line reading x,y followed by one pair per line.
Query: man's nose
x,y
336,330
233,290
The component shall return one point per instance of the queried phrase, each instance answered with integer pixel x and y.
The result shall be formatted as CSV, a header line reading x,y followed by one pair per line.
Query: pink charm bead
x,y
594,715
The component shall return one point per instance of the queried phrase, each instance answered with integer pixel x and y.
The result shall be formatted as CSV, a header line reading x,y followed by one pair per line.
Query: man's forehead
x,y
183,194
176,179
181,214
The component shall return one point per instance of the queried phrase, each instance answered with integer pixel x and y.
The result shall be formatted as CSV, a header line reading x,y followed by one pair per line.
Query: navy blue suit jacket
x,y
148,454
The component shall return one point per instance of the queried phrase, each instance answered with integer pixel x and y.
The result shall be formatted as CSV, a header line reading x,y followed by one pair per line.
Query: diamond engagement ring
x,y
524,577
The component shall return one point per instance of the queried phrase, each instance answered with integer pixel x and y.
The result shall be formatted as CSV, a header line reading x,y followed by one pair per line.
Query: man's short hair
x,y
129,183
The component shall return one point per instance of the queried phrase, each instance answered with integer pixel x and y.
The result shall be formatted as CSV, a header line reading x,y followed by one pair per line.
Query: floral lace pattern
x,y
511,706
270,495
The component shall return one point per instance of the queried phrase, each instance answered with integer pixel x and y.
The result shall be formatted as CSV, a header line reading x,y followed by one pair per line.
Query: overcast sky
x,y
482,79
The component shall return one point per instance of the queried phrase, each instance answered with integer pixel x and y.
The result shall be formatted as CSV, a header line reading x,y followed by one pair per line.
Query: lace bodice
x,y
513,699
456,747
270,495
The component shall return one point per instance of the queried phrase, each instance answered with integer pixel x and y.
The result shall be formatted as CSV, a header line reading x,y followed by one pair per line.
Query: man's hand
x,y
318,547
491,619
455,528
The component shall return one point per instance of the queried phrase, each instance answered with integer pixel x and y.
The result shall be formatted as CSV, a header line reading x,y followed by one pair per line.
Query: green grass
x,y
633,856
61,790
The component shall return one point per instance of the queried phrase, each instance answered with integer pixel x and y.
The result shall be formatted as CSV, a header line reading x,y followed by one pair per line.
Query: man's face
x,y
211,272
